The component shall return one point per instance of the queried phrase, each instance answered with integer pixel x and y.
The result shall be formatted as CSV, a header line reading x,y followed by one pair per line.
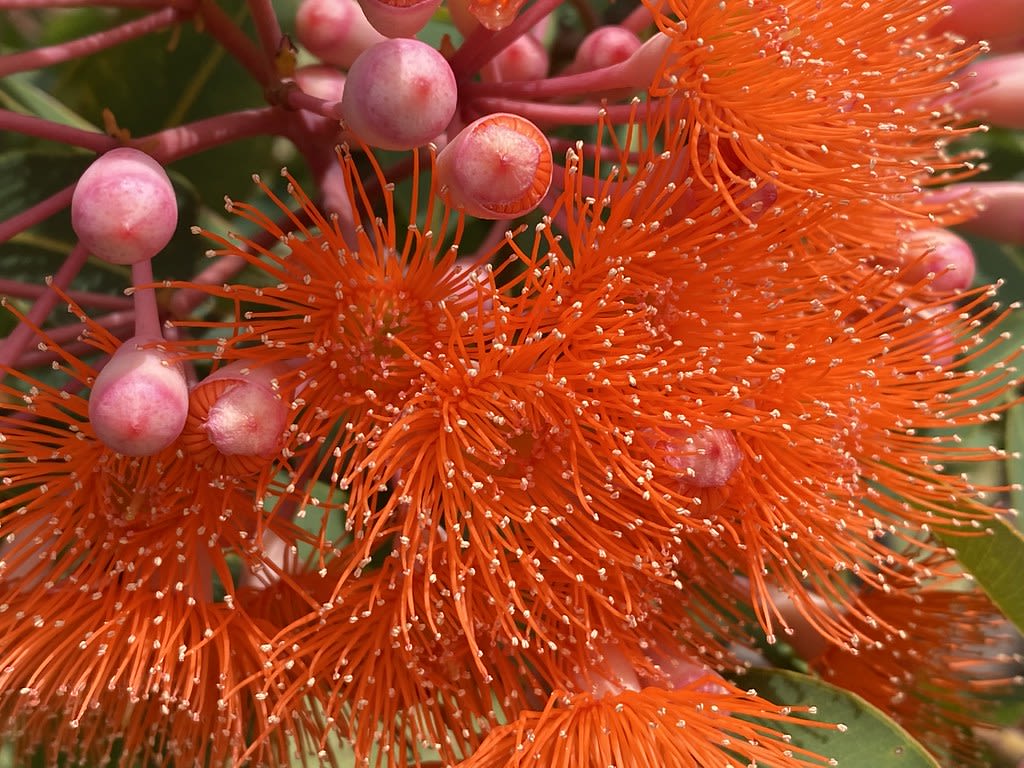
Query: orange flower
x,y
934,673
683,728
113,639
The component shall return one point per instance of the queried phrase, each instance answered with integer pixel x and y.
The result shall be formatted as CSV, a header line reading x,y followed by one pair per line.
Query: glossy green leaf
x,y
994,556
1015,461
869,737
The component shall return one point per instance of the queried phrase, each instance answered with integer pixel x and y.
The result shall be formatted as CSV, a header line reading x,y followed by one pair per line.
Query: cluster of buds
x,y
564,370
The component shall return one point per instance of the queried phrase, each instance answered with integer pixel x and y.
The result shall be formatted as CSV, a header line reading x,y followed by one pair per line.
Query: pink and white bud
x,y
399,18
707,458
497,167
525,58
941,253
993,90
399,94
139,401
123,208
998,22
240,412
998,208
335,31
605,47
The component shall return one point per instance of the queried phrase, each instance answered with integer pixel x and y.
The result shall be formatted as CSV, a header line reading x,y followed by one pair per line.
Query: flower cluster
x,y
639,359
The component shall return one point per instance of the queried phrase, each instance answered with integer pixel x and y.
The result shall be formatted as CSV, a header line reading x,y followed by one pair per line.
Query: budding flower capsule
x,y
606,46
139,400
707,458
498,167
399,94
946,255
123,208
335,31
236,418
399,18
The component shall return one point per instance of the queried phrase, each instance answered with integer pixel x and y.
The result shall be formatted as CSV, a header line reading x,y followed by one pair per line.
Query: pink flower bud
x,y
707,458
944,254
999,22
993,89
998,208
241,415
606,46
123,209
523,59
498,167
399,18
139,400
335,31
399,94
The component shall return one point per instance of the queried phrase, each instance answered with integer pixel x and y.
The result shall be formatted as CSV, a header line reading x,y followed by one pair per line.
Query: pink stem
x,y
483,44
638,20
84,298
567,114
37,213
296,98
269,30
117,323
220,25
30,125
84,46
185,300
18,5
40,357
22,335
579,84
147,314
184,140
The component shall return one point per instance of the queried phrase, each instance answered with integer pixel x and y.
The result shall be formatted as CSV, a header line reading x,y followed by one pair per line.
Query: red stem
x,y
269,30
147,314
192,138
579,84
45,5
22,335
638,20
567,114
83,298
37,213
85,46
482,45
221,27
30,125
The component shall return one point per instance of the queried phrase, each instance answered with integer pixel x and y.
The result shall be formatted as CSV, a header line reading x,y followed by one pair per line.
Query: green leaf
x,y
994,557
1015,460
21,94
870,738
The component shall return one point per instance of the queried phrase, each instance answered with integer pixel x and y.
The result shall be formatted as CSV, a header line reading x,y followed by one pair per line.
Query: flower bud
x,y
993,89
139,400
237,418
335,31
996,205
123,208
525,58
945,255
707,458
399,94
604,47
498,167
399,18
